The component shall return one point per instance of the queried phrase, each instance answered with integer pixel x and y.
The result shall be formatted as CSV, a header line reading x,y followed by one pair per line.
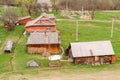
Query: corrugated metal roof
x,y
54,57
47,17
97,48
44,38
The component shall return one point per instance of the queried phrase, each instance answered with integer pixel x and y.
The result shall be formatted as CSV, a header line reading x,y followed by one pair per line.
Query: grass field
x,y
15,63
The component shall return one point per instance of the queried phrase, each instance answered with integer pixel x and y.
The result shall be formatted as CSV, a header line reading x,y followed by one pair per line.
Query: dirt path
x,y
109,21
105,75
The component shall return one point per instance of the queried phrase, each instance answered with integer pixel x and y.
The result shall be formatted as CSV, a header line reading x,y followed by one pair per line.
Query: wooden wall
x,y
84,60
52,48
113,59
95,59
39,28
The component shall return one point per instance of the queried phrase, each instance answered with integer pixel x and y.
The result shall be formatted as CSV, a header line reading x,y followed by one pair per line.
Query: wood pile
x,y
55,64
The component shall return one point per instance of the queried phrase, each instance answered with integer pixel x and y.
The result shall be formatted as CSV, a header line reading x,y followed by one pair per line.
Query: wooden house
x,y
46,22
100,52
44,43
24,20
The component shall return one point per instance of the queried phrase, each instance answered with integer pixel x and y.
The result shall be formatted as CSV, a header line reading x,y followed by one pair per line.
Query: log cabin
x,y
24,20
98,52
46,22
43,43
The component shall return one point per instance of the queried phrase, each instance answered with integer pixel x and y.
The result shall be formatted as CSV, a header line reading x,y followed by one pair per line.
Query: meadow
x,y
15,62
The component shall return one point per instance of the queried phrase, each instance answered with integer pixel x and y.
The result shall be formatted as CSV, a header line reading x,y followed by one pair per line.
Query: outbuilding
x,y
24,20
8,47
97,52
54,60
43,42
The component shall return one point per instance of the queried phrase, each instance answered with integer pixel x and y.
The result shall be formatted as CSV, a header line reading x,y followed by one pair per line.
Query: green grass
x,y
99,15
88,31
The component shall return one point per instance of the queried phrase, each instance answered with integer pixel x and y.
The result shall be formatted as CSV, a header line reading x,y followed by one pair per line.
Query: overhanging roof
x,y
97,48
44,38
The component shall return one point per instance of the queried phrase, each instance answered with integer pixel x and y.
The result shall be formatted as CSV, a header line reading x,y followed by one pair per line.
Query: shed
x,y
92,52
54,60
43,42
24,20
46,22
8,47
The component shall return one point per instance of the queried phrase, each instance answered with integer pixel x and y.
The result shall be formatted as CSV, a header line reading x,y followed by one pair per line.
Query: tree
x,y
7,2
26,4
36,9
9,19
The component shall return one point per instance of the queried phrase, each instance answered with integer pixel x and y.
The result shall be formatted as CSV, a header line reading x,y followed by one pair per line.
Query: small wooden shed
x,y
24,20
100,52
8,47
43,42
46,22
54,60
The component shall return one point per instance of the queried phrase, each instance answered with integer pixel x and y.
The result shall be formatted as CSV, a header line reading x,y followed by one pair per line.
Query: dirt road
x,y
104,75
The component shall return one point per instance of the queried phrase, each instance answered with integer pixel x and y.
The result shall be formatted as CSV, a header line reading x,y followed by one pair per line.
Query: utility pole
x,y
66,4
76,30
112,28
82,13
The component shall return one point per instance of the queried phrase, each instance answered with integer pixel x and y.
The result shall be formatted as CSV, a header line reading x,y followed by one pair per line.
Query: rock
x,y
33,63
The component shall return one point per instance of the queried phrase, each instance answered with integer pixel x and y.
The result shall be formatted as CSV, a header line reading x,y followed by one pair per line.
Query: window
x,y
48,28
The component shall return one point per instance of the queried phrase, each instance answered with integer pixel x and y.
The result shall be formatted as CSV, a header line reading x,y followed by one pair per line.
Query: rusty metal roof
x,y
24,17
97,48
44,38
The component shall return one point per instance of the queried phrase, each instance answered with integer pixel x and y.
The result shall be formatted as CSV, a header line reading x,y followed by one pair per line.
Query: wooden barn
x,y
24,20
43,43
46,22
98,52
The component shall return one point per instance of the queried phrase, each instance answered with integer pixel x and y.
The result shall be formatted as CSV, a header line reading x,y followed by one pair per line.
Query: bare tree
x,y
36,8
9,19
98,4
